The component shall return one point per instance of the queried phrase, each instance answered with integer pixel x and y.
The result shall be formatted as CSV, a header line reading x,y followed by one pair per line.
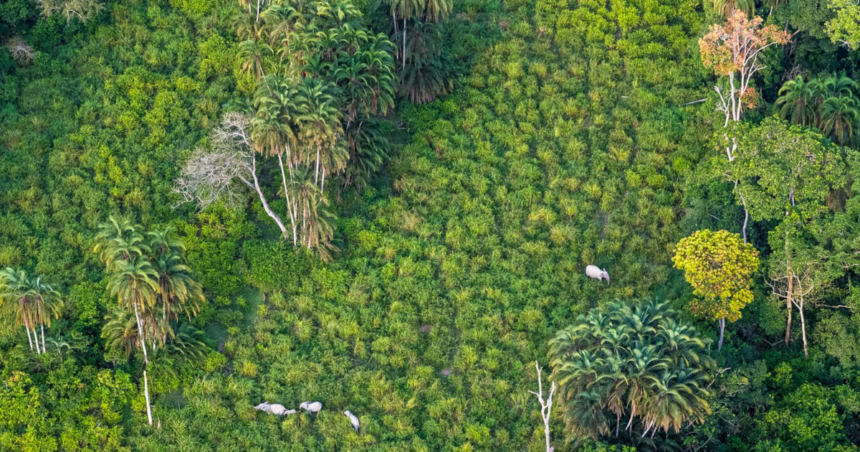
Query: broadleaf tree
x,y
719,266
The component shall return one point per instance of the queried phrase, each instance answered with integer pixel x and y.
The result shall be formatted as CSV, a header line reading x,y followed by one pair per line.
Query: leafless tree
x,y
211,175
797,286
546,406
83,10
20,50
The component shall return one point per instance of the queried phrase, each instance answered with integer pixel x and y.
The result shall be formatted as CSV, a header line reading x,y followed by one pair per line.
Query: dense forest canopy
x,y
365,225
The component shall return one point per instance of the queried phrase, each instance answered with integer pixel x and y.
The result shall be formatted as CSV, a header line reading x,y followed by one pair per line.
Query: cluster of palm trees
x,y
322,81
628,368
828,104
28,302
425,72
147,273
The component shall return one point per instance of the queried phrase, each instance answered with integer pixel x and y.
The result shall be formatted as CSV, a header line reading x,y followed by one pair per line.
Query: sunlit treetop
x,y
719,266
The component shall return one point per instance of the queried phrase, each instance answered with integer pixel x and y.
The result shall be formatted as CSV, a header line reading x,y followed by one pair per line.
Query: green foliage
x,y
631,363
807,420
275,267
720,267
786,172
572,137
845,27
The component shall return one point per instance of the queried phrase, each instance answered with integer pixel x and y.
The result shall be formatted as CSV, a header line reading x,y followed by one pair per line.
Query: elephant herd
x,y
310,407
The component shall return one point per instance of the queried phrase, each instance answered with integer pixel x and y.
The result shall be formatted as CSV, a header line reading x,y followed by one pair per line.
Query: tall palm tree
x,y
17,305
252,54
797,101
46,304
118,240
437,10
282,20
176,287
367,80
427,74
839,118
403,10
320,128
135,284
28,302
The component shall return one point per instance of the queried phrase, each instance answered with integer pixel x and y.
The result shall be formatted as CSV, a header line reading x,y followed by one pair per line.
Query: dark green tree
x,y
633,363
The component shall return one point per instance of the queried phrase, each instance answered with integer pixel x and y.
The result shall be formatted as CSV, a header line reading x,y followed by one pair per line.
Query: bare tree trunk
x,y
546,407
404,37
746,219
145,362
287,196
256,187
394,21
803,328
36,336
632,415
146,395
43,338
788,306
722,332
317,167
29,339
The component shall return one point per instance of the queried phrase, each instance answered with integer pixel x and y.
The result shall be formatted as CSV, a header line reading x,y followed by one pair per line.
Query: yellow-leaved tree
x,y
719,266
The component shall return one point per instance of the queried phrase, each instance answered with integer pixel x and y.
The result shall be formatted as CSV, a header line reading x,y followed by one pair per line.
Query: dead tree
x,y
546,406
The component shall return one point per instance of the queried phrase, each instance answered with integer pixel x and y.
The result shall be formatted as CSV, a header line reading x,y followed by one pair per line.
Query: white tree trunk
x,y
803,328
43,339
29,339
722,332
317,169
269,211
146,396
145,362
290,212
546,407
36,336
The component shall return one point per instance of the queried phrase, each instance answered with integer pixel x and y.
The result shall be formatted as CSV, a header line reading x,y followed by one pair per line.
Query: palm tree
x,y
725,8
135,284
177,288
368,151
427,74
633,361
118,241
367,80
839,117
29,302
46,304
320,129
17,305
797,99
252,53
836,86
405,9
339,13
282,20
437,10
